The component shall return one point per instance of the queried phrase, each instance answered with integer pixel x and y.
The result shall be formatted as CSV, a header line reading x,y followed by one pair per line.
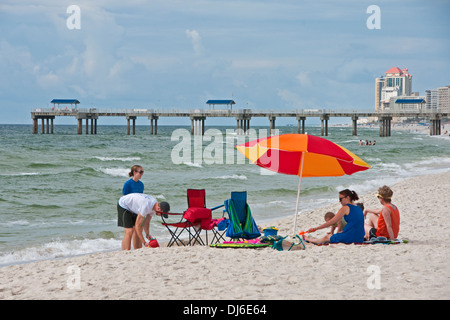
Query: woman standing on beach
x,y
354,230
134,185
384,222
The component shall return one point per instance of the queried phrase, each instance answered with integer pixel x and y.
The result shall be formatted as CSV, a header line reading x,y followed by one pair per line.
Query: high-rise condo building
x,y
432,99
443,99
395,82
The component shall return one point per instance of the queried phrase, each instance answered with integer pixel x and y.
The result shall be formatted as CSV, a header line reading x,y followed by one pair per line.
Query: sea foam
x,y
58,249
118,159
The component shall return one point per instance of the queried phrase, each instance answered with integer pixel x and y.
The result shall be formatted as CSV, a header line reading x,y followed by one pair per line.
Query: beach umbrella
x,y
302,155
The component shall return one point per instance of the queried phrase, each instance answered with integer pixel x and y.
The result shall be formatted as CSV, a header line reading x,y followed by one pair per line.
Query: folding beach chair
x,y
195,219
241,223
198,213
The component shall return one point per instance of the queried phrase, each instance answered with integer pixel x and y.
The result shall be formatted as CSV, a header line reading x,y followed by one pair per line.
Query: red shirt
x,y
395,223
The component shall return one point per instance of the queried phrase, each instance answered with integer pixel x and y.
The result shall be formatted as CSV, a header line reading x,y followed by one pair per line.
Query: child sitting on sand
x,y
339,225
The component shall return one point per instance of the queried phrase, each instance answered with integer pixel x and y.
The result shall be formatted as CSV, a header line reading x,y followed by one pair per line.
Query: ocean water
x,y
58,192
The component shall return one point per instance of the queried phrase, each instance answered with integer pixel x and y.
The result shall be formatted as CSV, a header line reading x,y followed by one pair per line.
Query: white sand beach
x,y
415,270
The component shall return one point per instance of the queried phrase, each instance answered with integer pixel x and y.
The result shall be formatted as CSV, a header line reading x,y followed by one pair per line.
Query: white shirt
x,y
138,203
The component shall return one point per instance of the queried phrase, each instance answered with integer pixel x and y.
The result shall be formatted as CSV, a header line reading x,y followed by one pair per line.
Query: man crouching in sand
x,y
135,211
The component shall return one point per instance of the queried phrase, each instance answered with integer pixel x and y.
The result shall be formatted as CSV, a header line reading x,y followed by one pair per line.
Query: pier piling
x,y
272,124
153,129
324,124
197,125
301,124
435,125
87,116
46,123
133,118
385,126
242,123
354,125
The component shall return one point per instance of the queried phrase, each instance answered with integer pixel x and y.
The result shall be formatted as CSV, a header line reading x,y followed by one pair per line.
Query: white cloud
x,y
249,63
18,62
92,58
152,62
290,98
304,79
72,68
48,80
196,40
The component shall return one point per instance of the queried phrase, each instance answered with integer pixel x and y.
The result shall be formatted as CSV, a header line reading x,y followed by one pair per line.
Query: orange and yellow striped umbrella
x,y
285,154
303,155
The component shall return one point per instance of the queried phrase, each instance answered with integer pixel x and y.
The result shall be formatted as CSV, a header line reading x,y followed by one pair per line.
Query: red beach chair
x,y
195,219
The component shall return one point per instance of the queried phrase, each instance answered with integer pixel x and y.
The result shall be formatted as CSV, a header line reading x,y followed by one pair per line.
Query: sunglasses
x,y
340,199
141,172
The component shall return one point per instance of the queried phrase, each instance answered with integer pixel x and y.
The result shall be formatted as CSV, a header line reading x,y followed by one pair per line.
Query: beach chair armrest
x,y
168,214
212,209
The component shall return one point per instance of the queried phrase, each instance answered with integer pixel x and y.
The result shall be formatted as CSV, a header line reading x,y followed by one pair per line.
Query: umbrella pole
x,y
298,193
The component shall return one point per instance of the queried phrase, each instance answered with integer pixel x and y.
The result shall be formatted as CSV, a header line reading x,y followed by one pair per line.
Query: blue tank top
x,y
354,230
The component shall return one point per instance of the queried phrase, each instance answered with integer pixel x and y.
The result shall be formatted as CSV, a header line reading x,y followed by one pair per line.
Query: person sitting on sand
x,y
135,211
339,225
354,230
384,222
361,205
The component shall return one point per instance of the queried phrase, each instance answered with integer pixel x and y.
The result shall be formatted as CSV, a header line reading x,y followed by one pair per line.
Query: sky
x,y
177,54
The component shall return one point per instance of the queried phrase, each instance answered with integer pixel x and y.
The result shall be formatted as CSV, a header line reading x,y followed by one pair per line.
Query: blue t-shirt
x,y
132,186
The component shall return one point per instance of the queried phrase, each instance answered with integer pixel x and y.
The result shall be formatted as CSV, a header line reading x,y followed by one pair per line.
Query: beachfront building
x,y
395,82
402,79
431,97
443,99
438,100
402,104
405,104
379,83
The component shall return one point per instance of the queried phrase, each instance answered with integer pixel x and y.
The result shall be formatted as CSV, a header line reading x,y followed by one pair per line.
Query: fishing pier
x,y
242,117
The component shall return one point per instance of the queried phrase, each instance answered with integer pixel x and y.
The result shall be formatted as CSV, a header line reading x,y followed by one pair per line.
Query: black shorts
x,y
125,218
